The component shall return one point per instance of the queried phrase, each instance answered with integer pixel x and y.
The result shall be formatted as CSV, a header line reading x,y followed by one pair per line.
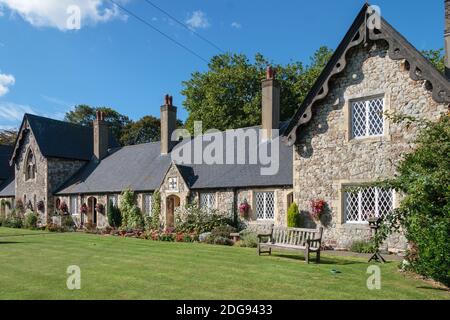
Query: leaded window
x,y
362,203
147,204
30,167
74,205
265,205
367,118
207,200
173,184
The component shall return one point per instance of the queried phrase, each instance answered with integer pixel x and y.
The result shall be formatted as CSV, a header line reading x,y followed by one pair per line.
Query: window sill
x,y
374,139
355,225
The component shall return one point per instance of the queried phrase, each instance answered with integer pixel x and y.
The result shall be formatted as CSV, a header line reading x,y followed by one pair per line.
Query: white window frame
x,y
360,219
366,102
265,199
74,203
173,183
115,201
210,202
150,204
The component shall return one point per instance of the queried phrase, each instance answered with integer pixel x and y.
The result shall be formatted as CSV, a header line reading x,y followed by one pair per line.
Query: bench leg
x,y
259,250
307,255
270,251
318,257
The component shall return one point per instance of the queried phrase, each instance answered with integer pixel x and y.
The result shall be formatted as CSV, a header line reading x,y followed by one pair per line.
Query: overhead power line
x,y
148,24
184,25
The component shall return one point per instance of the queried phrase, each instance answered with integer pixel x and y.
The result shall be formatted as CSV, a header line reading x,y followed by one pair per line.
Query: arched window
x,y
30,166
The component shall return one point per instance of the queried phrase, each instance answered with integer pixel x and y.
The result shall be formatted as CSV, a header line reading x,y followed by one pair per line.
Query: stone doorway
x,y
172,202
92,211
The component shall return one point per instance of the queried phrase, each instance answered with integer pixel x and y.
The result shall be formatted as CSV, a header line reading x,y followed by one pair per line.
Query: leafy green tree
x,y
228,95
436,57
146,129
424,213
85,115
8,137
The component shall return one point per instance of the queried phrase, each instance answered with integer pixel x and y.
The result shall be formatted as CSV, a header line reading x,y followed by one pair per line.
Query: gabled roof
x,y
60,139
142,168
399,49
5,169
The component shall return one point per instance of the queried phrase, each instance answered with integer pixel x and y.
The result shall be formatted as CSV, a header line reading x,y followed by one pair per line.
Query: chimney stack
x,y
101,136
168,124
447,39
270,104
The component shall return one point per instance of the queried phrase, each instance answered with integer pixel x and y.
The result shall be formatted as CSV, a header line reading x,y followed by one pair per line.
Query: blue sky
x,y
114,60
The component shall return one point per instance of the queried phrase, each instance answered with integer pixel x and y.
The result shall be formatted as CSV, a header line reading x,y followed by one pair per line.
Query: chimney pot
x,y
270,73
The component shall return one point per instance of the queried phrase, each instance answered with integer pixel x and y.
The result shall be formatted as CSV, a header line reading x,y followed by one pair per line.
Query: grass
x,y
33,265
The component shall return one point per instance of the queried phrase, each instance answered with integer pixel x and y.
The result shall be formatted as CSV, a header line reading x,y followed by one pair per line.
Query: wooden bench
x,y
296,239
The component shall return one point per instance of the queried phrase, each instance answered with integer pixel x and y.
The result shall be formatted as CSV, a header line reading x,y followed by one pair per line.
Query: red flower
x,y
317,207
63,207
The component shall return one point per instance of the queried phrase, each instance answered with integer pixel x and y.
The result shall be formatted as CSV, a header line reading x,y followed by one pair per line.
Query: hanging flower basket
x,y
84,208
41,206
244,207
317,209
63,207
99,207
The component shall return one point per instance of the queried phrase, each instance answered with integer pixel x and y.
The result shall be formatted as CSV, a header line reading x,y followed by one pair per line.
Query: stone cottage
x,y
340,140
343,137
57,162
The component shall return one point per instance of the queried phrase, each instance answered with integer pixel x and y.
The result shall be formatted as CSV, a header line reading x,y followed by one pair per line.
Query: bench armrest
x,y
311,241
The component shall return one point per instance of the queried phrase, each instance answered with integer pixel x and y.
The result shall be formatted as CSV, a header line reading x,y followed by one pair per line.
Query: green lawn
x,y
34,267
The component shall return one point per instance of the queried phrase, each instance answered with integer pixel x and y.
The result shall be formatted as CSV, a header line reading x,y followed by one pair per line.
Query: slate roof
x,y
142,168
5,169
62,139
7,189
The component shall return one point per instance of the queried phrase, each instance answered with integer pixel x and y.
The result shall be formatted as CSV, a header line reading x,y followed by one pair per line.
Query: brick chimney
x,y
270,104
447,39
168,124
101,136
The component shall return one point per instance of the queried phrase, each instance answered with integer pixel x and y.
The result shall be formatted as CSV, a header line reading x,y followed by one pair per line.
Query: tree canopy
x,y
436,57
8,137
228,95
85,115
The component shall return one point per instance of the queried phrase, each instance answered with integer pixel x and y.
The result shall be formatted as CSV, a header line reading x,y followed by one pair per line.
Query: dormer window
x,y
30,166
173,184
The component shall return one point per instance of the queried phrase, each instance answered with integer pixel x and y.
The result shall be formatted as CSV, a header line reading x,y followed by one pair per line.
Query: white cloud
x,y
6,80
198,20
12,112
236,25
54,13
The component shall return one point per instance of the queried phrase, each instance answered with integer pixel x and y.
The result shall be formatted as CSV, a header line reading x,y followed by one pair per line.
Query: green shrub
x,y
424,213
154,222
293,216
131,214
193,219
362,247
248,239
31,220
114,215
222,231
15,220
67,223
52,227
221,241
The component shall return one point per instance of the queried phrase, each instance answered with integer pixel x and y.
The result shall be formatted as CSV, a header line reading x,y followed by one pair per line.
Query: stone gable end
x,y
328,158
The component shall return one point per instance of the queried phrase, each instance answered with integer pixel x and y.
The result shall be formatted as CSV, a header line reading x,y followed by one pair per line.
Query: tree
x,y
436,57
228,95
85,115
146,129
424,212
8,137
